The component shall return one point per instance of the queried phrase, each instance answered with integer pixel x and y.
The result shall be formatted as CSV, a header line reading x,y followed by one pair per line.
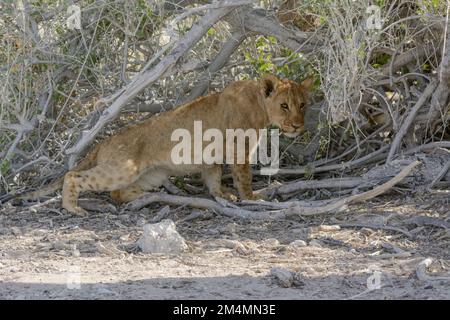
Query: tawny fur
x,y
138,158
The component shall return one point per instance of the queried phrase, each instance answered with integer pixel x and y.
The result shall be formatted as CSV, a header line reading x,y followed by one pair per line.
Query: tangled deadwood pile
x,y
382,96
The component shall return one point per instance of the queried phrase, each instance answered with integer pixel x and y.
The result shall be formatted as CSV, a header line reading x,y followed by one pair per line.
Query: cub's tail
x,y
87,163
50,188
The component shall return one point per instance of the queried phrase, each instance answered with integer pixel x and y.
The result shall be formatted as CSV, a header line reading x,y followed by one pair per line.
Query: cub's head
x,y
285,102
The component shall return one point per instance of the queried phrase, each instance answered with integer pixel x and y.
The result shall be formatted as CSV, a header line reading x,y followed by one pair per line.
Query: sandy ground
x,y
48,254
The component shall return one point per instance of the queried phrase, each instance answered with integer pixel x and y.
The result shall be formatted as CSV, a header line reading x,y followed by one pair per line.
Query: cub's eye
x,y
284,106
302,105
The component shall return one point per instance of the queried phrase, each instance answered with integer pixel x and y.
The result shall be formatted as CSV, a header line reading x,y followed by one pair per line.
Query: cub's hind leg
x,y
127,194
148,181
104,177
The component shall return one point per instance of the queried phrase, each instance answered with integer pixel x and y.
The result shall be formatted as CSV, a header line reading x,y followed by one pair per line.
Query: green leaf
x,y
5,166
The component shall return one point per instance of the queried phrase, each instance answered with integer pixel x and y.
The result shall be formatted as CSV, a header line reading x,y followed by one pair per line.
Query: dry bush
x,y
57,83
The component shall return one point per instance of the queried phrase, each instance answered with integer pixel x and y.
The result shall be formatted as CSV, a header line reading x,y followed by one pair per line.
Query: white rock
x,y
271,242
161,237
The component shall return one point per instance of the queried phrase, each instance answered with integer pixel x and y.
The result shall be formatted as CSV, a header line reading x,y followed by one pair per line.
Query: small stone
x,y
329,227
161,237
124,217
144,211
40,232
366,231
60,245
107,249
235,245
271,242
211,232
284,277
298,280
315,243
124,237
231,228
140,222
298,243
75,251
16,231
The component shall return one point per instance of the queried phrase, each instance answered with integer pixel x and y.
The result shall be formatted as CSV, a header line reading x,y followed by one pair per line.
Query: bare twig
x,y
409,120
370,158
441,174
146,78
376,226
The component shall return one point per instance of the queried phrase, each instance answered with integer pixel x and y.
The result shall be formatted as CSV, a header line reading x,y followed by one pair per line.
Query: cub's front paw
x,y
258,196
225,195
78,211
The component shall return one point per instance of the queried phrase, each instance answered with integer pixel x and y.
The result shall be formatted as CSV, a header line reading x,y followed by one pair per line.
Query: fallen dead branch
x,y
342,203
440,175
377,226
294,186
287,208
428,147
202,203
428,221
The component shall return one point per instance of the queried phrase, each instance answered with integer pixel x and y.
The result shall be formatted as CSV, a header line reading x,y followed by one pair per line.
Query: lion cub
x,y
138,158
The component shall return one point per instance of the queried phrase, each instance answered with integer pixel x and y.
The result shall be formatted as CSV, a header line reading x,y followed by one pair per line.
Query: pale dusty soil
x,y
42,252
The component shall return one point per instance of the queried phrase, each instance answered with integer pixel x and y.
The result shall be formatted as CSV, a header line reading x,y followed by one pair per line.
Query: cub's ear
x,y
268,84
307,84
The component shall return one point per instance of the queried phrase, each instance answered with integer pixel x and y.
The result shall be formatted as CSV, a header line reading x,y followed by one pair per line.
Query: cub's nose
x,y
297,125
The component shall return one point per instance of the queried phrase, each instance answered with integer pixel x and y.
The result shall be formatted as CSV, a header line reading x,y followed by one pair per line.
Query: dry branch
x,y
220,60
258,22
201,86
428,147
202,203
440,96
440,175
146,78
294,186
288,208
407,57
339,204
375,156
376,226
409,120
